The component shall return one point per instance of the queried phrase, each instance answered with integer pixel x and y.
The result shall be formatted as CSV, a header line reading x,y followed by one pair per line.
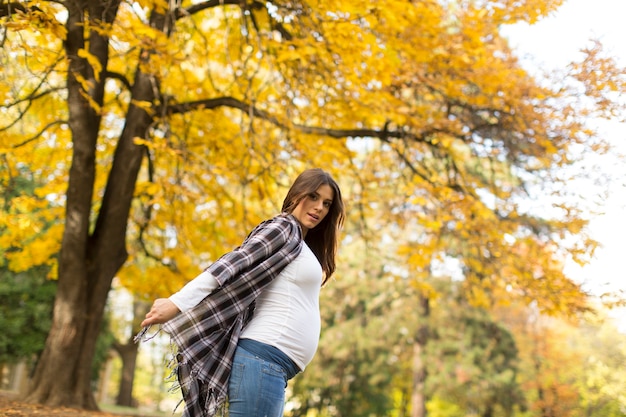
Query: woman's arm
x,y
194,291
264,241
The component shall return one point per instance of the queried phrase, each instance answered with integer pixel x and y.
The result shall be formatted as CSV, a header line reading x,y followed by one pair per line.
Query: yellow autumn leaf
x,y
93,61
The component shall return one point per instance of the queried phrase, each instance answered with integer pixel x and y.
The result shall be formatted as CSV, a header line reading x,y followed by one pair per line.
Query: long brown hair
x,y
322,239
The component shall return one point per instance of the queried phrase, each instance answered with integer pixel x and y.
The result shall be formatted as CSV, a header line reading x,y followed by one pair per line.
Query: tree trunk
x,y
63,373
128,354
87,262
418,396
418,399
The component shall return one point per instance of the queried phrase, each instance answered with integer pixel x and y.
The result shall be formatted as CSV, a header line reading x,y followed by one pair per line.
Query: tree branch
x,y
7,9
254,5
384,134
198,7
121,78
249,108
38,134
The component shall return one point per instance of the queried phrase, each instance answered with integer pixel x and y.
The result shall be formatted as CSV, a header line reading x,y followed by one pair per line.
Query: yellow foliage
x,y
41,19
420,110
39,250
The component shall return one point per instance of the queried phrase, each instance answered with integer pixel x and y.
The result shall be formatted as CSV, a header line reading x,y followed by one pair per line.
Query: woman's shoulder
x,y
285,222
280,219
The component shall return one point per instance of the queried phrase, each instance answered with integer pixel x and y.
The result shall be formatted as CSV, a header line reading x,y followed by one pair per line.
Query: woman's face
x,y
313,208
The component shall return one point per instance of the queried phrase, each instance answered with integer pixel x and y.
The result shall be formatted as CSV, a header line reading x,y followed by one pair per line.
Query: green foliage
x,y
26,300
601,381
474,362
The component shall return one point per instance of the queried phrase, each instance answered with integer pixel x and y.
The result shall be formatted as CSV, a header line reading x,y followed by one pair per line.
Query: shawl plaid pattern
x,y
207,335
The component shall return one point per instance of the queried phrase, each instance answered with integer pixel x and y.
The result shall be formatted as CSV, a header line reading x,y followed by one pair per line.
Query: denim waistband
x,y
270,354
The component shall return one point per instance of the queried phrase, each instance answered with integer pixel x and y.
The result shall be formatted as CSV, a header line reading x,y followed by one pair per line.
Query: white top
x,y
287,311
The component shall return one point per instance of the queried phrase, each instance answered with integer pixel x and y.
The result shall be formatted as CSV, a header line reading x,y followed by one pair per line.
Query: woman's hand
x,y
162,310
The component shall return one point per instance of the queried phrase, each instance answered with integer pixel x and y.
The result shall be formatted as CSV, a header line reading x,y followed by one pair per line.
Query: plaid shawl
x,y
207,335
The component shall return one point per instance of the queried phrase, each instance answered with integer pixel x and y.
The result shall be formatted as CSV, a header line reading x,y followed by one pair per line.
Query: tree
x,y
568,368
475,363
603,383
157,125
128,351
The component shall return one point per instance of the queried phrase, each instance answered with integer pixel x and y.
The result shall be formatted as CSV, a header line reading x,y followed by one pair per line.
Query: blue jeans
x,y
256,387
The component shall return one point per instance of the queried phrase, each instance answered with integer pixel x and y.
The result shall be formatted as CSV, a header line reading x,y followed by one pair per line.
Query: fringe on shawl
x,y
199,399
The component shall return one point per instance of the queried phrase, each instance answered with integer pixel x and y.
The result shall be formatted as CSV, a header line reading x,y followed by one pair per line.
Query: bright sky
x,y
553,43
